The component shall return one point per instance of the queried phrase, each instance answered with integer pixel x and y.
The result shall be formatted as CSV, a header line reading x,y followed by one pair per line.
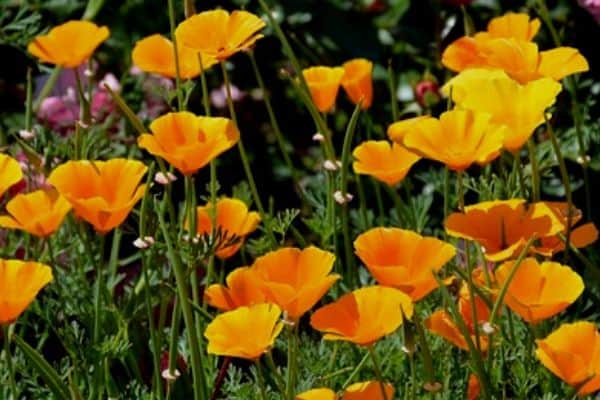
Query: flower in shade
x,y
317,394
370,390
572,352
363,316
156,54
10,173
503,227
324,84
358,82
473,387
70,44
219,34
244,288
101,192
39,213
539,291
246,332
189,142
296,279
398,130
385,162
403,259
520,108
458,139
20,282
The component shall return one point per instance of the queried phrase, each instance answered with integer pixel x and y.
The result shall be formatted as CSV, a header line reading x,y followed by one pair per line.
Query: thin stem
x,y
392,87
292,368
261,380
425,350
180,103
174,339
278,378
9,363
535,172
28,102
378,374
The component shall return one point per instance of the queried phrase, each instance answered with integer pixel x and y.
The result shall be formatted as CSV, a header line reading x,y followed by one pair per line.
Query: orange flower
x,y
363,316
572,352
39,213
398,130
473,387
385,162
155,54
219,34
512,25
323,83
101,192
233,219
10,172
296,279
503,227
539,291
370,390
458,139
70,44
246,332
244,288
317,394
403,259
20,282
357,81
189,142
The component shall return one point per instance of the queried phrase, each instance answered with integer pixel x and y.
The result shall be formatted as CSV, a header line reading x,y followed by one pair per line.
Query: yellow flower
x,y
10,173
370,390
324,84
398,130
358,82
317,394
385,162
512,25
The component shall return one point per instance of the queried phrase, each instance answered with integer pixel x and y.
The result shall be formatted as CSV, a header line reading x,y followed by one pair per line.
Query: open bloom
x,y
39,213
246,332
324,84
358,82
403,259
70,44
296,279
20,282
10,172
370,390
539,291
458,139
317,394
233,220
385,162
219,34
572,352
398,130
363,316
156,54
189,142
101,192
244,288
503,227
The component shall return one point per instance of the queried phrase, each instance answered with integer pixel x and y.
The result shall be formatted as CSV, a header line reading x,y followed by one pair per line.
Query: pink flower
x,y
218,97
593,7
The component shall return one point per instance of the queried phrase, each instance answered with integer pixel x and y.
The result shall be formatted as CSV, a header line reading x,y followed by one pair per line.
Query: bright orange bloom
x,y
219,34
70,44
363,316
512,25
155,54
403,259
246,332
503,227
572,352
189,142
539,291
398,130
20,282
296,279
10,172
324,84
385,162
317,394
458,139
233,219
244,288
370,390
39,213
358,81
101,192
473,387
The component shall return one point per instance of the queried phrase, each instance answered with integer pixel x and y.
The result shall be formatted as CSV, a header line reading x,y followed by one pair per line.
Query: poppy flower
x,y
363,316
10,173
218,34
385,162
189,142
512,25
20,282
403,259
398,130
234,221
296,279
358,82
539,291
155,54
520,108
317,394
246,332
572,352
70,44
473,387
370,390
101,192
244,288
503,227
39,213
324,84
458,139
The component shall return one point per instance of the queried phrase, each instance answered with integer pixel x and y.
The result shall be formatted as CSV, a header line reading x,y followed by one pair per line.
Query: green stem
x,y
28,102
535,172
278,378
292,368
9,362
261,380
378,374
356,370
180,102
425,350
174,339
47,88
392,88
